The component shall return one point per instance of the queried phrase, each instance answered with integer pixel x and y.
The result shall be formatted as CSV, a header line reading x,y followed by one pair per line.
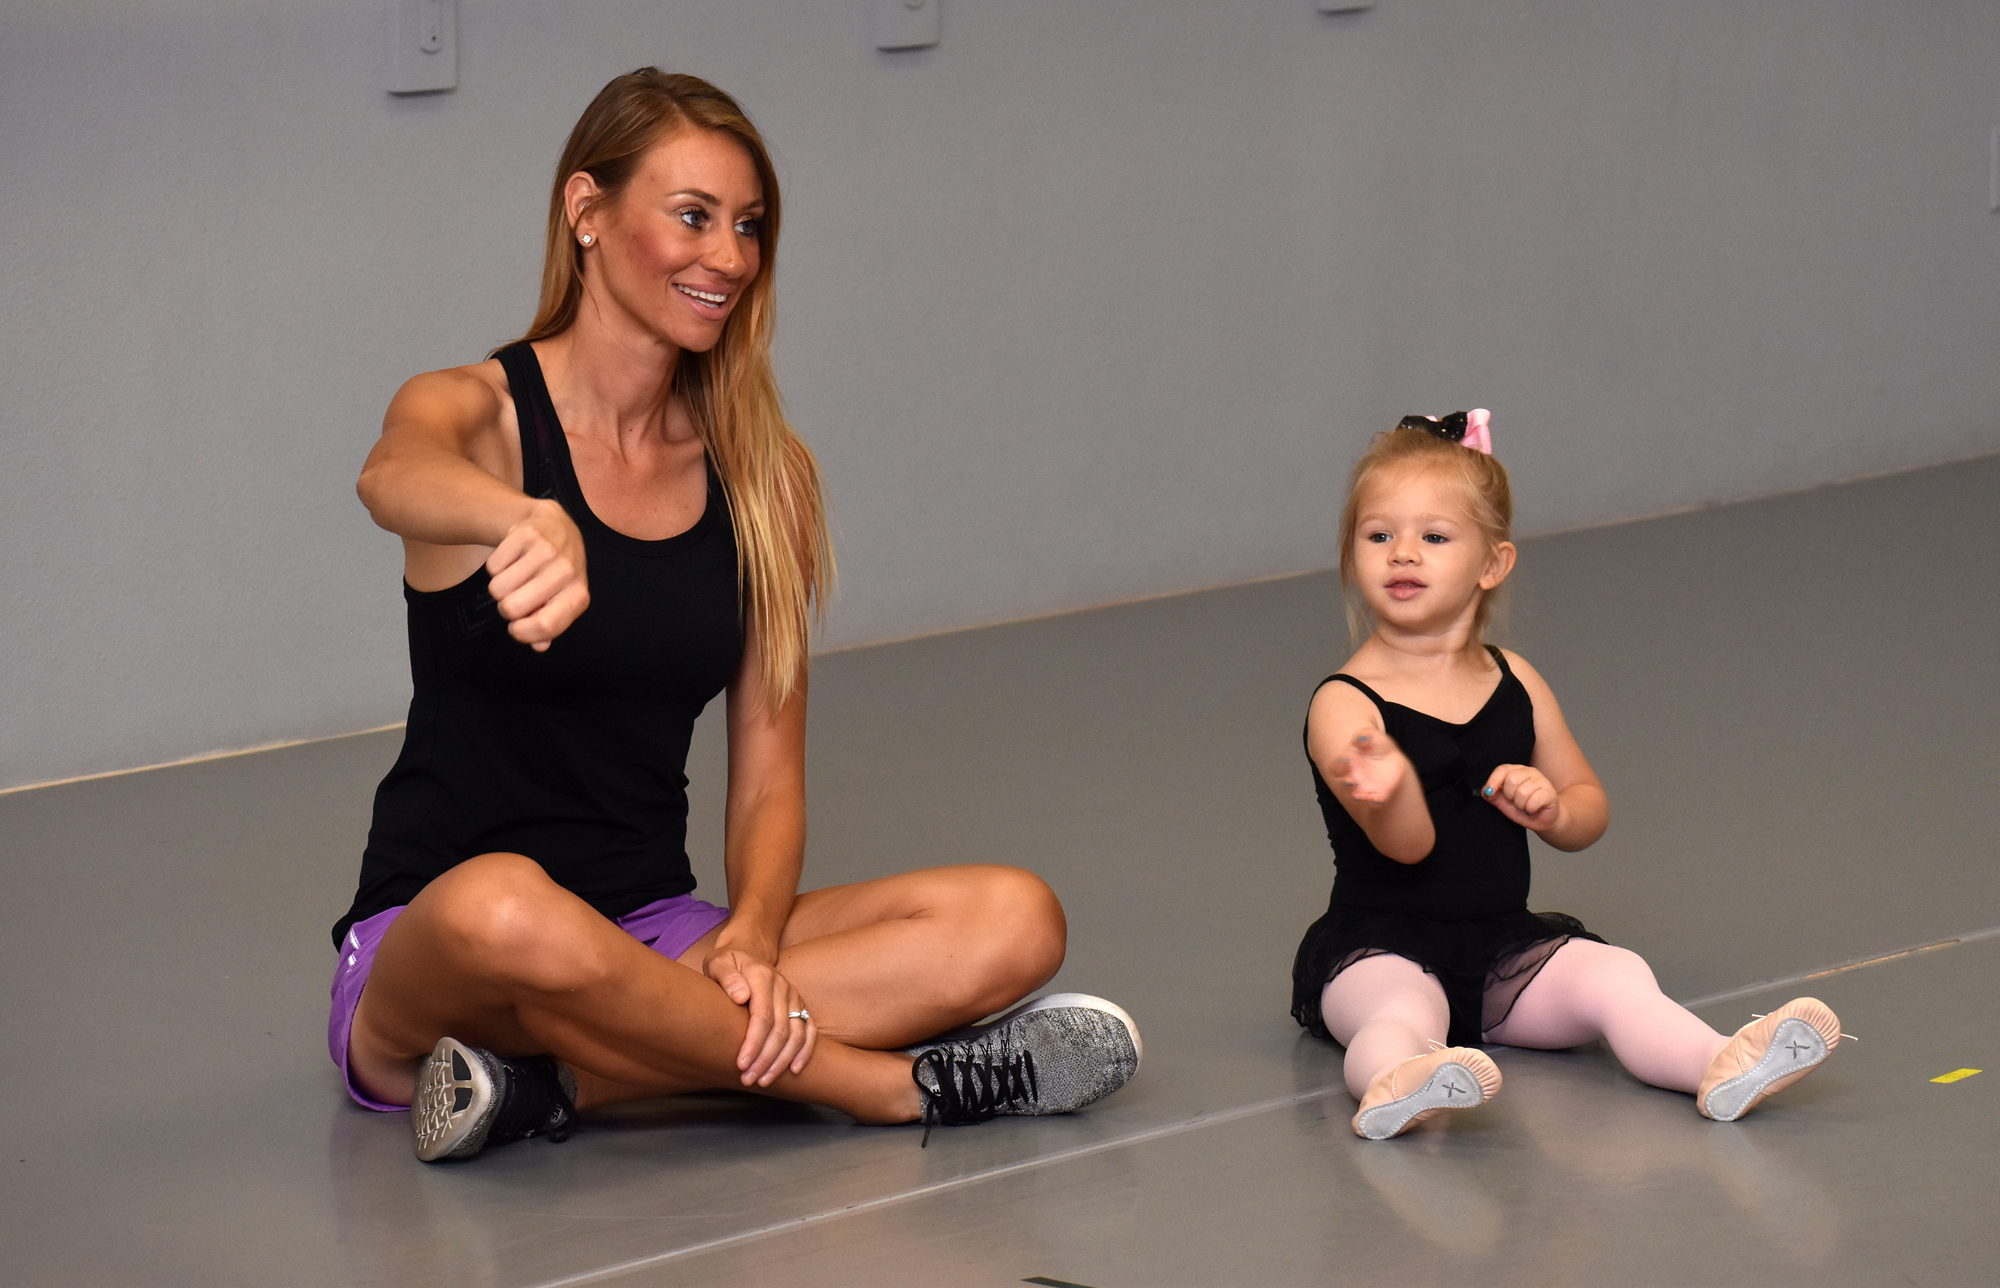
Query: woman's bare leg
x,y
497,955
886,963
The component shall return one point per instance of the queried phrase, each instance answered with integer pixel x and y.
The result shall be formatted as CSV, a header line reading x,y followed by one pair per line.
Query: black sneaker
x,y
468,1099
1049,1056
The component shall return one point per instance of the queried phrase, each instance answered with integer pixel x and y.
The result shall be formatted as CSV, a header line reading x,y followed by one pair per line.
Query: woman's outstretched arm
x,y
445,477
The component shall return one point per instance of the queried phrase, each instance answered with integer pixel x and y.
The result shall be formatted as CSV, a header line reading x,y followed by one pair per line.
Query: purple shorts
x,y
667,926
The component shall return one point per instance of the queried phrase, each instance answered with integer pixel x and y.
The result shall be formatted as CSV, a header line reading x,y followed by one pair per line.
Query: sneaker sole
x,y
1089,1003
1796,1047
1450,1086
441,1128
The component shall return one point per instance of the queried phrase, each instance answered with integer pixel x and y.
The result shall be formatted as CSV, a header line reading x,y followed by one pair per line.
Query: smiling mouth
x,y
706,297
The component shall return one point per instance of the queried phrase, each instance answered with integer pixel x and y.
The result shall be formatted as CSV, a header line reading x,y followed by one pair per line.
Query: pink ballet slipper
x,y
1424,1086
1765,1057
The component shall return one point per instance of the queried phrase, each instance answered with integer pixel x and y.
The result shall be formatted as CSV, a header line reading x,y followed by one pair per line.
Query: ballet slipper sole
x,y
1452,1085
1796,1049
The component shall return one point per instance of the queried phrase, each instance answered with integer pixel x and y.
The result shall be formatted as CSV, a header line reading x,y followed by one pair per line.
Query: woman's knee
x,y
500,915
1022,932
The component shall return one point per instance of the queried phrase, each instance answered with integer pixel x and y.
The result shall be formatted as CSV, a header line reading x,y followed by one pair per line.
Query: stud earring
x,y
586,239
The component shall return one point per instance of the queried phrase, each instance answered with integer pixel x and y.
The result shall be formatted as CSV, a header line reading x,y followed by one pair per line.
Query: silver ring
x,y
800,1015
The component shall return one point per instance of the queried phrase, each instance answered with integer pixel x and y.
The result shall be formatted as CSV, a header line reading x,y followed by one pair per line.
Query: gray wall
x,y
1094,301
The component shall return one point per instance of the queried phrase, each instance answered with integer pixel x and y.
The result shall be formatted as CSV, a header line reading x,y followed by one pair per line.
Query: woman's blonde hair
x,y
784,561
1482,479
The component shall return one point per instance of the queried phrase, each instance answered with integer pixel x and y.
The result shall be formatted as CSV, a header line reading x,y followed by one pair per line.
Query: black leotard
x,y
1479,865
575,757
1462,913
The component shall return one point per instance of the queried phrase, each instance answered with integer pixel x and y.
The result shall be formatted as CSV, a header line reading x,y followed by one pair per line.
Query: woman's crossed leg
x,y
498,956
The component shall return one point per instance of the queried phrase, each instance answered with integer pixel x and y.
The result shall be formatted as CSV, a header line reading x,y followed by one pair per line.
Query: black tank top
x,y
575,757
1479,866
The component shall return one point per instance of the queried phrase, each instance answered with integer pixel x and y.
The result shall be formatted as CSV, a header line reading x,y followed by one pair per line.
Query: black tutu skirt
x,y
1483,964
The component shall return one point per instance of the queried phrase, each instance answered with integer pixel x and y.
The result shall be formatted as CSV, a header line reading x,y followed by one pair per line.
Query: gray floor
x,y
1792,702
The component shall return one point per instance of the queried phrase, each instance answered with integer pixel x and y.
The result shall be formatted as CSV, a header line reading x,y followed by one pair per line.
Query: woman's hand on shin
x,y
539,581
781,1034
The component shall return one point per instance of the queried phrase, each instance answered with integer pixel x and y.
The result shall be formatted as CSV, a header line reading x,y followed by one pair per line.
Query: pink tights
x,y
1385,1009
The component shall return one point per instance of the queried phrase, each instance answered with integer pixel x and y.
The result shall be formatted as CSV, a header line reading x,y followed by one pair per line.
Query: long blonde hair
x,y
784,560
1488,497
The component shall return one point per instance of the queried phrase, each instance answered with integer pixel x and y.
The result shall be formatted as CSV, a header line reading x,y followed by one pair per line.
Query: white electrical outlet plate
x,y
422,52
905,24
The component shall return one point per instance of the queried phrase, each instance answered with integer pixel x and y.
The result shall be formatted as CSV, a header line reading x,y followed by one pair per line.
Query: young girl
x,y
1434,754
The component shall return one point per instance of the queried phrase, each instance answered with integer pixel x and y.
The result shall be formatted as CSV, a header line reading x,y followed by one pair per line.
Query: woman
x,y
605,525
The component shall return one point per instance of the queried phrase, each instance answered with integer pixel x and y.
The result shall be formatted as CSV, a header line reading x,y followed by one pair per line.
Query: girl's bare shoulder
x,y
1530,678
1339,710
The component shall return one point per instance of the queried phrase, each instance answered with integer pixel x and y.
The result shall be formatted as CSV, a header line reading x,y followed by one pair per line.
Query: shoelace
x,y
972,1089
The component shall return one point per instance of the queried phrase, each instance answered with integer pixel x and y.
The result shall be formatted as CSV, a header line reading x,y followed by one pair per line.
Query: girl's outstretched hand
x,y
1371,766
1525,795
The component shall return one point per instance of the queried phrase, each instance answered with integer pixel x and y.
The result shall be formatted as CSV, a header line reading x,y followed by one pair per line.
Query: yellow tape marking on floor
x,y
1956,1074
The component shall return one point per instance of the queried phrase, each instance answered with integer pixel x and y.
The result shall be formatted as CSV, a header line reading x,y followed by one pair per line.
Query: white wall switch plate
x,y
905,24
422,52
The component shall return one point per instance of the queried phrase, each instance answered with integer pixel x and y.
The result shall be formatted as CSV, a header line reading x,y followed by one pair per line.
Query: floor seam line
x,y
941,1187
1858,963
1146,1135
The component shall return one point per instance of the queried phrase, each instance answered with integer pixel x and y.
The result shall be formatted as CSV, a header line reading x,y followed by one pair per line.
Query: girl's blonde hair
x,y
1488,499
784,561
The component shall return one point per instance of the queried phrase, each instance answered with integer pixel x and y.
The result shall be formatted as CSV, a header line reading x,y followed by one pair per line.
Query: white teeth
x,y
706,297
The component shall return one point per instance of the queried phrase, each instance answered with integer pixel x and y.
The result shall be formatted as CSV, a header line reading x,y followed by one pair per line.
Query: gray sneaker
x,y
1049,1056
468,1099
